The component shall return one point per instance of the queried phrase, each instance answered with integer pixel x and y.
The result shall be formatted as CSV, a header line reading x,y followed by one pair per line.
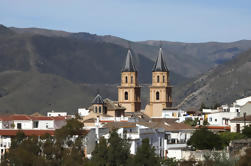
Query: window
x,y
126,79
35,124
47,126
19,125
215,120
126,95
99,109
131,79
210,119
163,78
158,79
96,109
157,95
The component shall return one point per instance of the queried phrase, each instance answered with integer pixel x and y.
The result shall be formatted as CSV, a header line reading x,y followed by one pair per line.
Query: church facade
x,y
160,96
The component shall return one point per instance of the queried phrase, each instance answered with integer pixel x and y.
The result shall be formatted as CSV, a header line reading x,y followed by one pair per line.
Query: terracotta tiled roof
x,y
110,105
3,117
154,125
167,120
26,132
19,117
248,118
218,127
117,125
41,118
59,117
171,126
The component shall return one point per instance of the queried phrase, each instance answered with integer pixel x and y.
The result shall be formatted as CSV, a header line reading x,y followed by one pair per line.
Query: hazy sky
x,y
172,20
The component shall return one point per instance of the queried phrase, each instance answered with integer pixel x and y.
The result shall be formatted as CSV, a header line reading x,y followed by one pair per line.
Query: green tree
x,y
226,137
145,155
169,162
25,152
63,149
204,139
192,122
118,150
247,131
100,153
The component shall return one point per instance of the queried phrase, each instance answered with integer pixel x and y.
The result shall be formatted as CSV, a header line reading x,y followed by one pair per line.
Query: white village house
x,y
30,125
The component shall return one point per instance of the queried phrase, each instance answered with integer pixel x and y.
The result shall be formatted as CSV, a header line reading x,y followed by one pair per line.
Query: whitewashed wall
x,y
233,127
45,124
26,124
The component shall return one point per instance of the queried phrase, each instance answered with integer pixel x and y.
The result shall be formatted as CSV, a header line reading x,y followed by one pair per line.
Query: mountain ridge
x,y
73,66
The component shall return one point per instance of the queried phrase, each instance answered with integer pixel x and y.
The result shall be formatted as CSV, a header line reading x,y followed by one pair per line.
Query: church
x,y
160,96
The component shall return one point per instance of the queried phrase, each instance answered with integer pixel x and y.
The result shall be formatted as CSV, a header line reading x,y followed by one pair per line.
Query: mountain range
x,y
42,69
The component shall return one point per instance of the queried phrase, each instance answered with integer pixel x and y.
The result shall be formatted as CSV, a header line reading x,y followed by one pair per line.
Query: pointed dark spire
x,y
129,66
98,100
160,64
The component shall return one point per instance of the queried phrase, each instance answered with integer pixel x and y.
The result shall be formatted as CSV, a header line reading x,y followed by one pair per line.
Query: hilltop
x,y
44,69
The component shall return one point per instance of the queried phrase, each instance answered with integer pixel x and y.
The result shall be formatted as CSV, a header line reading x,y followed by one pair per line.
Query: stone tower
x,y
160,90
129,90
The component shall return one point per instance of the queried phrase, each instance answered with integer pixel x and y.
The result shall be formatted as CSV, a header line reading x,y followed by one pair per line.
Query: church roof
x,y
160,64
129,66
98,100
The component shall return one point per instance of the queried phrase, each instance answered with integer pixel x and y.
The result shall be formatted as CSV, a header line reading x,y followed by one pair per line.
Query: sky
x,y
136,20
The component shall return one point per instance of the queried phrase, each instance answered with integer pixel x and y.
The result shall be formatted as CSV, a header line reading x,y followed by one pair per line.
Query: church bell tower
x,y
160,90
129,90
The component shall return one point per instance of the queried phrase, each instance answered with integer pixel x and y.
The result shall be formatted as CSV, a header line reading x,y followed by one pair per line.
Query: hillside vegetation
x,y
223,84
41,69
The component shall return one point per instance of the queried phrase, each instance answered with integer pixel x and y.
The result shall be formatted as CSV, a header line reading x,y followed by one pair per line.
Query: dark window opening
x,y
19,125
35,124
99,109
126,95
126,79
158,79
157,95
238,128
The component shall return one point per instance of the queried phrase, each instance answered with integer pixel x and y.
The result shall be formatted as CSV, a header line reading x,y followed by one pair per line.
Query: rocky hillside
x,y
224,84
44,69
